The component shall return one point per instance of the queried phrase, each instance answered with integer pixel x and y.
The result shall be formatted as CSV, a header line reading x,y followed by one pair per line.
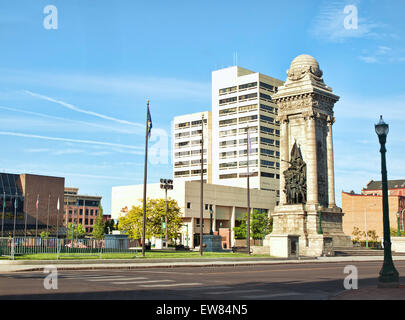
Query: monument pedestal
x,y
303,220
213,243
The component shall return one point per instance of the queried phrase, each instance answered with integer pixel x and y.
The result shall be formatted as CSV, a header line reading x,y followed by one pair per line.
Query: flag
x,y
37,203
58,204
149,122
248,142
15,202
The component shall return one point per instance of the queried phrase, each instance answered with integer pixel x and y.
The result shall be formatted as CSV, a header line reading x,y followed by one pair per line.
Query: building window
x,y
228,165
188,205
266,86
227,122
266,130
247,108
182,173
228,176
267,163
228,143
228,111
249,118
248,96
248,86
265,108
267,152
266,118
267,141
228,100
227,90
182,125
265,97
267,174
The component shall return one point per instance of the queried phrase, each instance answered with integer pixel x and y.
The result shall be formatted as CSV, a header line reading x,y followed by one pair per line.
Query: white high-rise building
x,y
187,130
242,99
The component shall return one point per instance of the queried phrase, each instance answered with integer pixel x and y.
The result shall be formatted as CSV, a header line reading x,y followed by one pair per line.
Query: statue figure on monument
x,y
295,178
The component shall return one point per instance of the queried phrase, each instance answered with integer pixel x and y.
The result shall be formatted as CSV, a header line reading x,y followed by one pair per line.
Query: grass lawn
x,y
137,255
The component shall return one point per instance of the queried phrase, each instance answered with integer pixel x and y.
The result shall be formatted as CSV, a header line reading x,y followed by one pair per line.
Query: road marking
x,y
91,277
140,282
217,287
235,291
171,285
118,279
273,295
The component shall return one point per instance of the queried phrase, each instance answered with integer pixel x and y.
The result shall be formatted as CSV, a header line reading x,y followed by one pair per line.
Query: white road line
x,y
118,279
274,295
91,277
171,285
216,287
235,291
140,282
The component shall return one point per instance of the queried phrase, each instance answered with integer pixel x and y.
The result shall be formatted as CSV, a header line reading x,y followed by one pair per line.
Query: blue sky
x,y
72,100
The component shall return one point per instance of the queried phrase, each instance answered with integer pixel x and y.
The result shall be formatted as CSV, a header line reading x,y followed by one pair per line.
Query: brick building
x,y
364,210
80,209
33,199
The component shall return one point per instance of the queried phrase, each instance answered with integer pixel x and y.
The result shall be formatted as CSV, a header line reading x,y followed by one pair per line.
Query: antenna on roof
x,y
235,58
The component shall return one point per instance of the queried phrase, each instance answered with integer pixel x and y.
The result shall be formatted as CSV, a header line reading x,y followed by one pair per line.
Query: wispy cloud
x,y
141,86
83,124
383,54
80,110
329,24
91,142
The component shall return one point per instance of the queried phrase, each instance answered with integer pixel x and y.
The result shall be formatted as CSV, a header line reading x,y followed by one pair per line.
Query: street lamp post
x,y
211,233
320,231
389,276
399,226
166,184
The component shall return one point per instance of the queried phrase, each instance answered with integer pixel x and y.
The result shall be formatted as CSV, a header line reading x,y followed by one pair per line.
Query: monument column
x,y
284,156
312,160
331,174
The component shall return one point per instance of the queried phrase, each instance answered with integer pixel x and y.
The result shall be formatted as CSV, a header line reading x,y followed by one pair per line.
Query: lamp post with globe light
x,y
389,276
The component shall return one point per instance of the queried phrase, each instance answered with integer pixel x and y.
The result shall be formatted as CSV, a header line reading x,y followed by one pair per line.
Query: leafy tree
x,y
99,224
358,234
109,226
372,235
44,234
78,232
132,222
260,226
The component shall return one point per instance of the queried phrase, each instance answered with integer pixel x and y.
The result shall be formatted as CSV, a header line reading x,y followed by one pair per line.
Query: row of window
x,y
186,173
185,144
236,175
224,144
188,163
188,153
233,154
86,221
271,153
246,86
234,164
92,212
184,125
269,130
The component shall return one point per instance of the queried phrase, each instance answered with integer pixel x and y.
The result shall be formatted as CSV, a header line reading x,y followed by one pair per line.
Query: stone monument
x,y
307,217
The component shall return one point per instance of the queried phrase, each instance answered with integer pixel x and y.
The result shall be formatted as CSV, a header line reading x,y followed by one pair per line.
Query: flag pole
x,y
248,190
15,213
57,220
145,179
202,188
47,221
25,224
2,219
36,222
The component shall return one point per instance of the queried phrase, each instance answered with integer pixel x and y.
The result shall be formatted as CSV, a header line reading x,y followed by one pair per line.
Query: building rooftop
x,y
392,184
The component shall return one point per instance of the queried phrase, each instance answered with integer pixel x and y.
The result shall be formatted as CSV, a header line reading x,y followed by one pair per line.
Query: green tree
x,y
78,232
357,234
99,224
260,226
155,210
44,234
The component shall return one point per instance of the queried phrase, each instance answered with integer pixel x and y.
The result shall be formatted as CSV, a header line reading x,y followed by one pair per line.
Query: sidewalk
x,y
373,293
98,264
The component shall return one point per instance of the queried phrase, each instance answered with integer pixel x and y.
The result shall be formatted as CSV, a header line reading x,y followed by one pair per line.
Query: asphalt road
x,y
309,281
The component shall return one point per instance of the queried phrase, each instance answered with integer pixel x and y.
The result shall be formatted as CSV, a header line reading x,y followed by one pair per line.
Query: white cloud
x,y
329,24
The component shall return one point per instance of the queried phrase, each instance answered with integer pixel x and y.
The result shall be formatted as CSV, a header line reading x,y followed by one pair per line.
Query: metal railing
x,y
12,247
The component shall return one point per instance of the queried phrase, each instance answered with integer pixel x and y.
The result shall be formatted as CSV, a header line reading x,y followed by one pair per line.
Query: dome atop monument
x,y
303,64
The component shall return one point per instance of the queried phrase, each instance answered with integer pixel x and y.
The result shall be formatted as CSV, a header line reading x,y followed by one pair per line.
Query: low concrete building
x,y
228,205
